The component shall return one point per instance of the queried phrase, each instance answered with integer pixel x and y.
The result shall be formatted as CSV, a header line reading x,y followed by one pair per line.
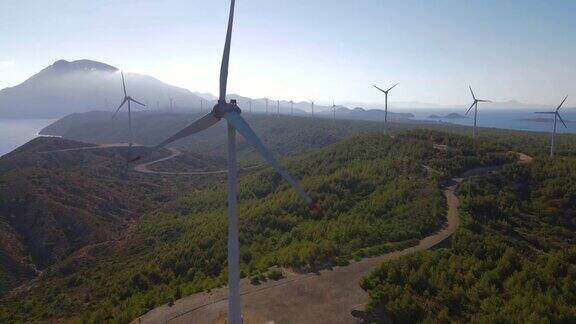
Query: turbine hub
x,y
223,107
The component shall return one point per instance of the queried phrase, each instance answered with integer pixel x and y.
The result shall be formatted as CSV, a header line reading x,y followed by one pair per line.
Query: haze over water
x,y
506,119
15,132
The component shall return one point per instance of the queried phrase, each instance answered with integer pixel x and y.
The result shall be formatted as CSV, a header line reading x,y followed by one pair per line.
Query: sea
x,y
15,132
506,119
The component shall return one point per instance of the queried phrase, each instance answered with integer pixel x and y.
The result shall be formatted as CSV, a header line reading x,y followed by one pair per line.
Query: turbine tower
x,y
291,107
385,104
201,105
128,100
556,117
475,106
312,107
333,109
232,113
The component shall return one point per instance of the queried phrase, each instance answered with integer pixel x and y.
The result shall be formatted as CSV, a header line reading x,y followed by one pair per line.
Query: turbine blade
x,y
472,92
197,126
123,83
378,88
117,110
226,55
545,112
561,103
560,117
470,108
246,131
392,87
138,102
483,100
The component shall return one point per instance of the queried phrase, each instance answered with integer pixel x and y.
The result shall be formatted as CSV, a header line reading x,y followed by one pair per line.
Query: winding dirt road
x,y
325,297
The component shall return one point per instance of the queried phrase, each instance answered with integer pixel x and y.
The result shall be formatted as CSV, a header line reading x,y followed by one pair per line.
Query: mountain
x,y
366,114
454,116
448,116
79,86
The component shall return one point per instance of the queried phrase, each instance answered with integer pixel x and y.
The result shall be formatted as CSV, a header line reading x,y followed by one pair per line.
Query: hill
x,y
512,261
52,205
368,188
284,135
79,86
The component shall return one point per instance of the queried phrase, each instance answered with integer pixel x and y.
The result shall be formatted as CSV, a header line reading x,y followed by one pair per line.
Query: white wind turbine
x,y
556,117
277,108
231,112
333,109
386,103
475,106
127,100
312,107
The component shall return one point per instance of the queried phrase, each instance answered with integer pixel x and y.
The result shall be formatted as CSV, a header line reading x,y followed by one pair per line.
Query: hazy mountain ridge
x,y
79,86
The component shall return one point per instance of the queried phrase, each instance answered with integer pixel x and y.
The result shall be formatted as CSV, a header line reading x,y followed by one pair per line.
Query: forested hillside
x,y
375,196
514,260
284,135
53,204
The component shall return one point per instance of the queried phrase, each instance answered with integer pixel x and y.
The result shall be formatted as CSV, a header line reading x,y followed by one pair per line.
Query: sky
x,y
300,49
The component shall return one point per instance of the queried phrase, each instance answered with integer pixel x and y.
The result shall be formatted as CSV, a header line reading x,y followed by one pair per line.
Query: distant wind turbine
x,y
232,113
312,107
475,106
201,105
333,109
291,107
556,117
385,103
127,100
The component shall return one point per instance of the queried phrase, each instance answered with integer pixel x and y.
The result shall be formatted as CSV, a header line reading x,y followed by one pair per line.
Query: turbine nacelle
x,y
223,107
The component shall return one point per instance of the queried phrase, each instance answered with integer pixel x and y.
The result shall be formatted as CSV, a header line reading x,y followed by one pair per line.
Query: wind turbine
x,y
556,117
312,107
333,109
386,103
475,106
291,107
201,105
128,100
231,112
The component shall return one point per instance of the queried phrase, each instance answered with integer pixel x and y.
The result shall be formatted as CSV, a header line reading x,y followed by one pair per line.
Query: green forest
x,y
375,196
513,260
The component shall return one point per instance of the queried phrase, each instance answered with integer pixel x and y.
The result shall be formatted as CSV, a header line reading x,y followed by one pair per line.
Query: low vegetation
x,y
375,197
514,260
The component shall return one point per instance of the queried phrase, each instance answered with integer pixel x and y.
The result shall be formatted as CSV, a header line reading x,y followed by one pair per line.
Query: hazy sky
x,y
304,49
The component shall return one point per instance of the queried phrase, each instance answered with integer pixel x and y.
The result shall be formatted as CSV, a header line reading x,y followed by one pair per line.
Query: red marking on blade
x,y
315,206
